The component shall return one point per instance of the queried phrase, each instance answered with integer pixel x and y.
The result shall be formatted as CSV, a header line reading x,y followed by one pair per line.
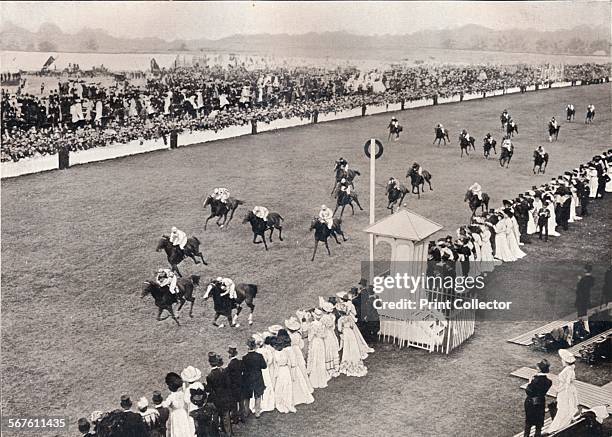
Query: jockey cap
x,y
323,207
174,229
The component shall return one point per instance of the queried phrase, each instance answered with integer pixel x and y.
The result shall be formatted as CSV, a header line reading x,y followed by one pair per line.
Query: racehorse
x,y
487,146
395,195
590,115
224,305
476,203
259,226
176,255
343,199
394,130
570,114
540,161
322,233
512,128
441,135
417,180
553,132
349,175
465,144
164,299
504,120
221,209
506,155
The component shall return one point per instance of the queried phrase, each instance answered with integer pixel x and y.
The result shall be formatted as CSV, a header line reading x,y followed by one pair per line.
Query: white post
x,y
372,201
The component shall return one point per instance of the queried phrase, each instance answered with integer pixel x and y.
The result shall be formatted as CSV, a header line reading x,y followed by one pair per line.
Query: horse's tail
x,y
357,172
253,289
195,279
196,239
239,202
281,217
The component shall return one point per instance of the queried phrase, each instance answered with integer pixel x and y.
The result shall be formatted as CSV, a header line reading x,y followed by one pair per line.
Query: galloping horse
x,y
487,146
540,161
349,175
224,305
476,203
343,199
465,144
570,114
259,226
511,128
395,195
417,180
553,132
322,233
394,131
504,120
221,209
441,135
590,115
176,255
164,299
506,155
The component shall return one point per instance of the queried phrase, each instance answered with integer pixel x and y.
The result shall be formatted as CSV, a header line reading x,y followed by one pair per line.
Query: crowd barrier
x,y
51,162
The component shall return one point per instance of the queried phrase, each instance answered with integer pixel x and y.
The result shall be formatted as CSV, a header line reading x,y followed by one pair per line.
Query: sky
x,y
191,20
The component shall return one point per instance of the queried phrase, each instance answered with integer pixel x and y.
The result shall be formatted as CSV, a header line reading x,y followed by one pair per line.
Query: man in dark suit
x,y
583,291
535,403
234,372
252,380
164,413
218,388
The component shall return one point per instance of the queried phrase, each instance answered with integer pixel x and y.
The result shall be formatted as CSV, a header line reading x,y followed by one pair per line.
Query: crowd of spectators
x,y
79,116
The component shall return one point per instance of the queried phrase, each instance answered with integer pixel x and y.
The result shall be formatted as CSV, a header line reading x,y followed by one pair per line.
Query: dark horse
x,y
504,120
506,155
395,195
441,135
512,128
570,114
590,115
220,209
540,161
553,132
418,180
349,175
322,233
176,255
224,305
343,199
259,226
164,299
487,146
465,144
476,203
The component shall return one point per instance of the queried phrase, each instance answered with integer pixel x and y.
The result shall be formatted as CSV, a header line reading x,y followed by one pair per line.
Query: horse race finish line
x,y
525,339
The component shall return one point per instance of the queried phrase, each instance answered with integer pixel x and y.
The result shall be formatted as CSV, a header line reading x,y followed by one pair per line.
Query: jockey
x,y
178,238
228,286
417,168
393,183
326,216
465,134
476,189
541,151
393,124
439,126
507,143
221,193
166,277
342,164
553,123
504,115
570,107
261,212
345,186
488,138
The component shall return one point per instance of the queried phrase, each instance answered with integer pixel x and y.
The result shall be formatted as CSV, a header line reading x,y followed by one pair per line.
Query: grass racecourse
x,y
77,244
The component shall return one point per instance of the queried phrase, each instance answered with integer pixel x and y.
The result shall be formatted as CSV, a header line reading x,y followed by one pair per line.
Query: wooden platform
x,y
532,433
525,339
574,349
588,395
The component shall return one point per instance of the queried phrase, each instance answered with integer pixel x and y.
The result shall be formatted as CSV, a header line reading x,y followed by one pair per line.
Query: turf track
x,y
77,245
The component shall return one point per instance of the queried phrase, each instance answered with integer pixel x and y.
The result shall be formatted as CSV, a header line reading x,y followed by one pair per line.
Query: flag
x,y
49,61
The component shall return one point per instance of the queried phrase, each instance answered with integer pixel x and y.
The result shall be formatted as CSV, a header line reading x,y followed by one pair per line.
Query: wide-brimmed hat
x,y
293,324
275,328
567,356
259,340
327,307
342,295
190,374
142,403
317,312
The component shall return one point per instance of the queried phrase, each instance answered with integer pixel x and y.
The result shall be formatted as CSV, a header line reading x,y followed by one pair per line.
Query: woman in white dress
x,y
502,249
267,400
317,373
531,222
190,376
332,347
552,220
487,262
283,386
299,381
352,362
593,181
567,396
511,234
179,422
349,308
573,205
297,344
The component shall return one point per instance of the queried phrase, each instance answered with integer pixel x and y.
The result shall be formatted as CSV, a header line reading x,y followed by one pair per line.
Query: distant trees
x,y
91,44
47,46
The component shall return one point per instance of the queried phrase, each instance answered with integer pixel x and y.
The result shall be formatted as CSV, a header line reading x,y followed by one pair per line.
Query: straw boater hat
x,y
318,312
274,329
142,403
259,340
567,356
190,374
293,324
342,295
327,307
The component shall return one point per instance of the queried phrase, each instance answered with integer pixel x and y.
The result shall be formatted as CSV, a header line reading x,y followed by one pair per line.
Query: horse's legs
x,y
191,307
230,217
217,315
280,233
357,202
202,258
209,217
270,236
252,307
336,209
327,247
352,209
174,317
315,250
263,237
159,313
235,318
255,239
176,269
